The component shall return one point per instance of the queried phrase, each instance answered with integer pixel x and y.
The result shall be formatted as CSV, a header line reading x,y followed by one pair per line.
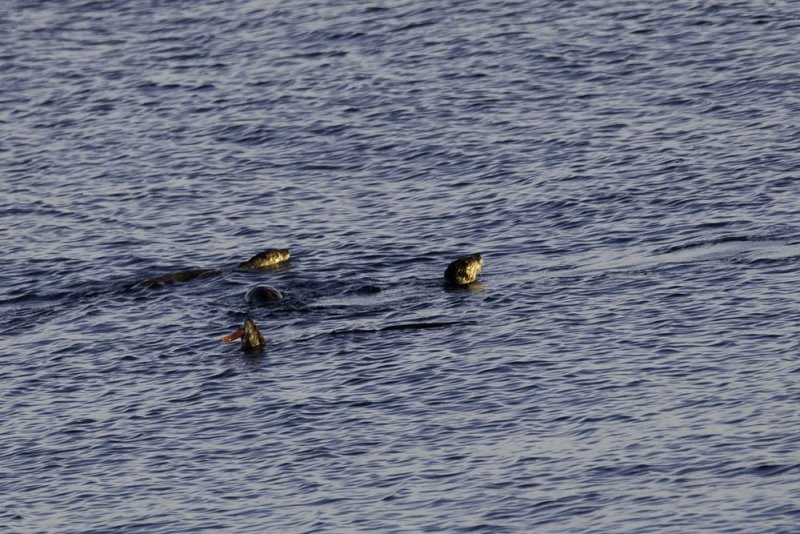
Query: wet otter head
x,y
268,258
252,340
262,294
464,270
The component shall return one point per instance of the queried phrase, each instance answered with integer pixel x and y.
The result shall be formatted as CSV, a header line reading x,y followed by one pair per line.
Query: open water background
x,y
629,362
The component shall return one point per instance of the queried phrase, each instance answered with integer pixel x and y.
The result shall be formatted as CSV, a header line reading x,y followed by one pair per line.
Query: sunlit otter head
x,y
464,270
268,258
252,340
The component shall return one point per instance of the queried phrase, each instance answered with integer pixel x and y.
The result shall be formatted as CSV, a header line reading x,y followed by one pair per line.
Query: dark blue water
x,y
628,363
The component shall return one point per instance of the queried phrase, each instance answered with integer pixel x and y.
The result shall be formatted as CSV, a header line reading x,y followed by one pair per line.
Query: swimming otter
x,y
261,294
268,258
464,270
252,340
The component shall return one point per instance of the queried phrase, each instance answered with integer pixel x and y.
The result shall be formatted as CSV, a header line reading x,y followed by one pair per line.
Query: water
x,y
628,362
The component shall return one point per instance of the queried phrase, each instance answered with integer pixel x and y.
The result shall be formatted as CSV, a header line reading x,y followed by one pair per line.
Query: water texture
x,y
627,363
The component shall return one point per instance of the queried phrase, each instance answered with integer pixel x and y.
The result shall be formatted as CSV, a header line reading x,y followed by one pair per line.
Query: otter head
x,y
252,340
268,258
262,294
464,270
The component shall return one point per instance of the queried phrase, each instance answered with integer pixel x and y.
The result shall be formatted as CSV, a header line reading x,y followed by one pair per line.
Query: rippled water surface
x,y
628,361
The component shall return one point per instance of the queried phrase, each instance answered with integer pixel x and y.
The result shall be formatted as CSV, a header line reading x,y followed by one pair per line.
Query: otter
x,y
252,340
464,270
262,294
263,260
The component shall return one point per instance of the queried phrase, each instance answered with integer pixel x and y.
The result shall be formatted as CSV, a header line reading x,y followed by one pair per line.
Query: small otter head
x,y
464,270
252,340
268,258
262,294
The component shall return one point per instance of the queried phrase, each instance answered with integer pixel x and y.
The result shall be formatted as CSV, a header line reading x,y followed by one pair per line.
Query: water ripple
x,y
626,363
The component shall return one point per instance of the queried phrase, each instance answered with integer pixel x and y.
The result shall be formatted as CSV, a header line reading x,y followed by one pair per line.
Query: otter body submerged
x,y
180,276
